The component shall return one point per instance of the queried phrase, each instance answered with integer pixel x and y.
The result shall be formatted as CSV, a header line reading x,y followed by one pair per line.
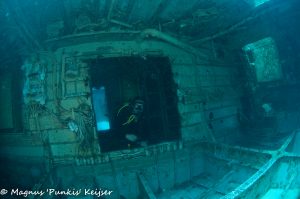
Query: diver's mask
x,y
138,107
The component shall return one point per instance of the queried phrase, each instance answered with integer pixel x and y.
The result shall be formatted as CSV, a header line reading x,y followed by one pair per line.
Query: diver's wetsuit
x,y
125,127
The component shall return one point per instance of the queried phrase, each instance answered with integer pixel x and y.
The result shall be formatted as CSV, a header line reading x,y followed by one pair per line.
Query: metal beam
x,y
145,188
236,26
161,7
111,8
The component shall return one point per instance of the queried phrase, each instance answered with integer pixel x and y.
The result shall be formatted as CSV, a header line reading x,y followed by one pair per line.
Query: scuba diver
x,y
129,118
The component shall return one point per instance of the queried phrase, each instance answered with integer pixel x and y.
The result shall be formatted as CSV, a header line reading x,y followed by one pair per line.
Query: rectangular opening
x,y
134,101
6,106
100,108
10,92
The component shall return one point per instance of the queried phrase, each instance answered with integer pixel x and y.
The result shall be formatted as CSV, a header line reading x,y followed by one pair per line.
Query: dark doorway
x,y
11,100
135,102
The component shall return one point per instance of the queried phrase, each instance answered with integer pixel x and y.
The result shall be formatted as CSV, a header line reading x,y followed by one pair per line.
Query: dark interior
x,y
10,93
129,78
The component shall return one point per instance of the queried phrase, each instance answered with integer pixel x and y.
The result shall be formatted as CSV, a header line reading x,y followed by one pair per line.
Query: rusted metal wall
x,y
207,96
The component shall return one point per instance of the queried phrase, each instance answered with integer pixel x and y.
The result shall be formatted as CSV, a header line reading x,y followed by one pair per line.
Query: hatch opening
x,y
134,101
